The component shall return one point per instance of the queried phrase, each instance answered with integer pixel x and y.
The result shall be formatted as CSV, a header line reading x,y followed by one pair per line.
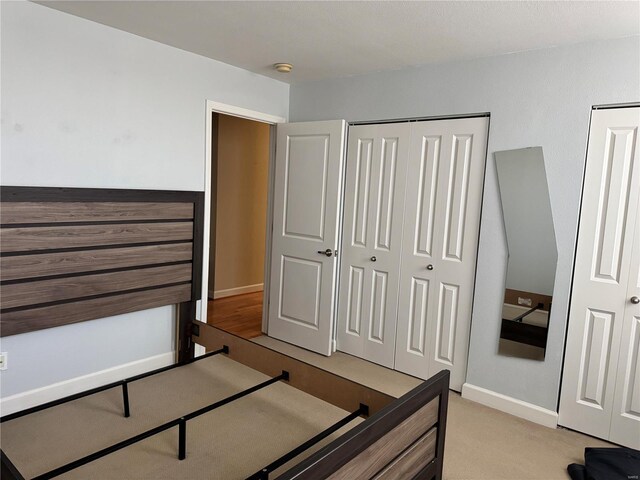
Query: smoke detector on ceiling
x,y
283,67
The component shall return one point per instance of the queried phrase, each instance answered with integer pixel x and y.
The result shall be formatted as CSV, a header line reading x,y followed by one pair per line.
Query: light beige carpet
x,y
231,442
242,437
481,443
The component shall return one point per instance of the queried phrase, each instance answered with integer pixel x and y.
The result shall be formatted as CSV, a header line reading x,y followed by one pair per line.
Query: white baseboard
x,y
258,287
38,396
511,405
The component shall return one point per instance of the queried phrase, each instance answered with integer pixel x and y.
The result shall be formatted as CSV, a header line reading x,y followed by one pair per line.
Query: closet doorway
x,y
413,195
600,393
240,153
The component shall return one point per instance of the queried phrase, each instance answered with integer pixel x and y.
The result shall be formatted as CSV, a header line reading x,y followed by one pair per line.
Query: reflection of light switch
x,y
524,301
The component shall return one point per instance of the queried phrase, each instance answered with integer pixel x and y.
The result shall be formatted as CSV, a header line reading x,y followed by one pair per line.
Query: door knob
x,y
328,252
429,267
635,300
373,259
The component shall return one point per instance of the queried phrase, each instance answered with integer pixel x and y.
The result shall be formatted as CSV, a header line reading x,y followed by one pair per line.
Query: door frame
x,y
235,111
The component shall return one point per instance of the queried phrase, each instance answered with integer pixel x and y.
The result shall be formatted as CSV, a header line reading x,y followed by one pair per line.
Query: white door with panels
x,y
601,378
307,192
370,265
440,242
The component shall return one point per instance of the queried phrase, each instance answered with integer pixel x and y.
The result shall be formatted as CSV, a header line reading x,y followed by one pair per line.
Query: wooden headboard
x,y
72,254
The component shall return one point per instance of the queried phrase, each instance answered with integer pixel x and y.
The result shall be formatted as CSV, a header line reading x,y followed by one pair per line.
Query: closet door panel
x,y
374,194
462,179
418,302
625,421
426,185
354,299
597,317
418,310
361,192
442,219
457,189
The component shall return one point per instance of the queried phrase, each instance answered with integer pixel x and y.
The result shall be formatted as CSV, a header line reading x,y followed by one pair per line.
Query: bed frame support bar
x,y
182,439
264,473
181,423
125,399
123,383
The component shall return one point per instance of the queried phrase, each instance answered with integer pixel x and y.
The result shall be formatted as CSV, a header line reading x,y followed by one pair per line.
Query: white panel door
x,y
601,277
370,265
442,218
625,420
308,175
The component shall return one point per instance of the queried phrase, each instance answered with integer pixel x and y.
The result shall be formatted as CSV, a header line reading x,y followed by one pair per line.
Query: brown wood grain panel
x,y
410,462
378,455
46,317
54,212
322,384
45,291
45,238
64,263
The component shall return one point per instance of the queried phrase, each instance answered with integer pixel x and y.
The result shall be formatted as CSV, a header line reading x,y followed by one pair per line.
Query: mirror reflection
x,y
532,252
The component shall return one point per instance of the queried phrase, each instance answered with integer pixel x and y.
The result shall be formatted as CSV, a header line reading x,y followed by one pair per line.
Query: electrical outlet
x,y
524,301
3,360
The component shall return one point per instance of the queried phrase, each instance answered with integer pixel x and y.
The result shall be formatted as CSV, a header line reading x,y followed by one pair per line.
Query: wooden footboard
x,y
405,440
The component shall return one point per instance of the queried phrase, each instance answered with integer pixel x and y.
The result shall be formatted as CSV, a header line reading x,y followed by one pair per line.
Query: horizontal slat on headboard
x,y
46,291
23,321
69,255
48,238
42,212
64,263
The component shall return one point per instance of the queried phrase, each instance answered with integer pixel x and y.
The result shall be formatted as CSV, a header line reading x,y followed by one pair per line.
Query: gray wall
x,y
535,98
85,105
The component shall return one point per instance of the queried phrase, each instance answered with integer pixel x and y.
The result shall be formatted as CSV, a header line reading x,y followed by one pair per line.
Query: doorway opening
x,y
240,154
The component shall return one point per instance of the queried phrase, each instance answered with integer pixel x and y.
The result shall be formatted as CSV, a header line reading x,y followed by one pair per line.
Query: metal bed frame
x,y
320,465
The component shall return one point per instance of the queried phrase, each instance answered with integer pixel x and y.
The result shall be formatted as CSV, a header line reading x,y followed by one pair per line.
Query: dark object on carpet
x,y
607,464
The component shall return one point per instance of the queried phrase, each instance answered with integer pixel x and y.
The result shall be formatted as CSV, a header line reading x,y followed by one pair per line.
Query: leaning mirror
x,y
532,252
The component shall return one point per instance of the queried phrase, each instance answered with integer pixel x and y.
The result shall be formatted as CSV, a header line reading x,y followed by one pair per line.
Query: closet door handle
x,y
328,252
373,259
635,300
429,267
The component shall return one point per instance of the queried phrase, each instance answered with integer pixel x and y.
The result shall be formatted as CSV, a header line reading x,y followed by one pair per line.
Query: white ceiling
x,y
334,39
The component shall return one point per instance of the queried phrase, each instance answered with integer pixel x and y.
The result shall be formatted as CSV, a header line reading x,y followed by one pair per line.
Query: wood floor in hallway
x,y
240,314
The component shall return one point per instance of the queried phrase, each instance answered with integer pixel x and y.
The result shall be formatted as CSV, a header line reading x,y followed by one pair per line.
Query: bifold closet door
x,y
370,265
306,206
442,218
601,378
625,421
